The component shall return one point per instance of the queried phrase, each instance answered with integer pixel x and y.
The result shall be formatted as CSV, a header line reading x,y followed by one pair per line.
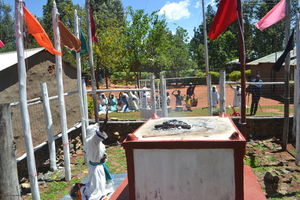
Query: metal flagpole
x,y
79,83
23,100
208,76
287,78
242,58
91,62
60,91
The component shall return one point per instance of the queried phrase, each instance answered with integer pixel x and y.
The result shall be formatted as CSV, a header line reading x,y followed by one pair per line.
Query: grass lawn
x,y
262,111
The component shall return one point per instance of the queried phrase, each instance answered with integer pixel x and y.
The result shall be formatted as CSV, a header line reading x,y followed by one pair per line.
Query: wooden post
x,y
208,75
91,62
163,94
23,100
152,83
9,183
285,133
297,86
79,83
49,126
60,91
222,92
242,59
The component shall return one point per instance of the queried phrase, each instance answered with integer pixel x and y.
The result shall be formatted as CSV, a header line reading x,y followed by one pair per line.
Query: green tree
x,y
157,45
136,32
7,34
180,55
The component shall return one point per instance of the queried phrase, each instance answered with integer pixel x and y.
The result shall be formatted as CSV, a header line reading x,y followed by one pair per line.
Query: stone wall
x,y
256,128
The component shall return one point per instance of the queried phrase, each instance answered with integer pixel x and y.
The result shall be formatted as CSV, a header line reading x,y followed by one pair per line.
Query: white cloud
x,y
212,3
197,5
176,11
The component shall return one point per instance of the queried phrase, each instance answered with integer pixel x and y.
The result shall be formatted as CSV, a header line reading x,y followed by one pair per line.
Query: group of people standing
x,y
253,89
126,102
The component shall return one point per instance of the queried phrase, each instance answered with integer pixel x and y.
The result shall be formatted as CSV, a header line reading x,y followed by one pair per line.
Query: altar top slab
x,y
202,128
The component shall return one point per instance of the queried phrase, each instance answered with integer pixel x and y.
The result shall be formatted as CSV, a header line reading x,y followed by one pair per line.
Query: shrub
x,y
214,77
90,107
236,75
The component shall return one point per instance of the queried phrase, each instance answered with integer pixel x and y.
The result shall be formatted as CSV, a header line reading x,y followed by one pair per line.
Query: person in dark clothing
x,y
190,90
255,90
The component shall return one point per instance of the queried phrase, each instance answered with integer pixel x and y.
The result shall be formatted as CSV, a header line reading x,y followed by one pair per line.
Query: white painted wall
x,y
184,174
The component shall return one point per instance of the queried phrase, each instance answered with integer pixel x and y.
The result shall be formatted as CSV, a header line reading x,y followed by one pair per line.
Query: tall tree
x,y
158,44
110,22
6,28
136,31
179,53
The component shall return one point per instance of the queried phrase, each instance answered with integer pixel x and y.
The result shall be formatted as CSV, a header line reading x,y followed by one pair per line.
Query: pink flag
x,y
1,44
272,17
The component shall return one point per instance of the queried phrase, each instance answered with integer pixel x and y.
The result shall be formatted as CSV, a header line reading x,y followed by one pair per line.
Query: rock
x,y
271,183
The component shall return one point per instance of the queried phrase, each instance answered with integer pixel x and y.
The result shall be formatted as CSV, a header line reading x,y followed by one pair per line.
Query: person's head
x,y
190,84
257,77
178,91
213,88
102,95
237,87
112,96
168,94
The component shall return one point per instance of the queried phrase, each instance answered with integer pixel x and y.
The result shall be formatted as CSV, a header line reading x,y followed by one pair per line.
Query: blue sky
x,y
184,13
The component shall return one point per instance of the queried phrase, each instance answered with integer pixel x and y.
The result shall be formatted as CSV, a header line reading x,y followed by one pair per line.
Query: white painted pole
x,y
222,91
163,95
298,94
49,126
79,83
152,85
208,75
85,103
60,90
159,96
23,100
91,62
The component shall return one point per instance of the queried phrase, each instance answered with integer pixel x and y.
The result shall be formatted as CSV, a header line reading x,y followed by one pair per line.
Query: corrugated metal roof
x,y
271,58
8,59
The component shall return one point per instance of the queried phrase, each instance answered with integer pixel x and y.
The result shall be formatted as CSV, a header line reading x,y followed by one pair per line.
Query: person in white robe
x,y
98,184
237,96
133,101
215,97
145,99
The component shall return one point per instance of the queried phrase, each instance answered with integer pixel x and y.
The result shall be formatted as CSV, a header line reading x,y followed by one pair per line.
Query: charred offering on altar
x,y
172,124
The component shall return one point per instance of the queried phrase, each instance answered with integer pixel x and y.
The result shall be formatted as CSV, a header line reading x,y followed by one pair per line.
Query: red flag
x,y
226,14
93,27
37,31
1,44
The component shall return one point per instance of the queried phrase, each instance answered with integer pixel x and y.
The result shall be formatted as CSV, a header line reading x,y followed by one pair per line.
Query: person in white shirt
x,y
215,97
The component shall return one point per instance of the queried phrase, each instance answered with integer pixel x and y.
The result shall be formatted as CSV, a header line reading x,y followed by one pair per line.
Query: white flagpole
x,y
23,100
297,85
208,76
91,62
79,83
60,90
